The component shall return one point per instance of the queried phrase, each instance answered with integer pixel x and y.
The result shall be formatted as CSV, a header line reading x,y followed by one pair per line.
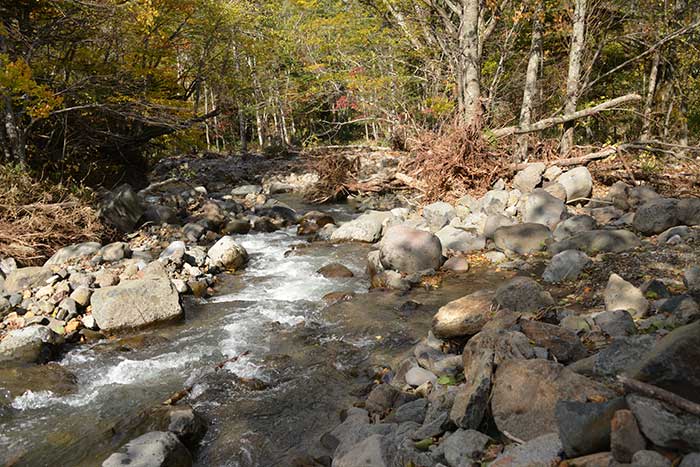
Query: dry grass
x,y
454,161
37,218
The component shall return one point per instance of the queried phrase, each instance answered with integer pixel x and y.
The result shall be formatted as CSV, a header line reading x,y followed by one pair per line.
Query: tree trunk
x,y
649,102
16,150
530,89
469,68
578,38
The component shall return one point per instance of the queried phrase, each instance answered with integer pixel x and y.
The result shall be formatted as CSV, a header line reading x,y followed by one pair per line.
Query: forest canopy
x,y
92,87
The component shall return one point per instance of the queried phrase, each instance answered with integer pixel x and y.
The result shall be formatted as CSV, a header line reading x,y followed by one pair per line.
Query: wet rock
x,y
598,241
116,251
561,342
621,295
522,294
522,239
154,449
122,208
649,459
672,363
333,270
183,421
526,392
625,437
463,446
27,278
460,240
543,208
565,266
464,316
544,450
438,215
366,228
457,264
655,216
228,254
408,250
494,222
52,377
236,227
574,225
33,344
584,428
664,426
616,323
68,253
527,179
135,303
577,182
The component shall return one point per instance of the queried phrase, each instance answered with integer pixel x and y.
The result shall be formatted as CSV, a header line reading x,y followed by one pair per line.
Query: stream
x,y
306,361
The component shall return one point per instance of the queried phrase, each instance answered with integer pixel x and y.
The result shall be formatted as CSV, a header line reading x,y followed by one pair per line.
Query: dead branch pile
x,y
37,218
336,172
454,161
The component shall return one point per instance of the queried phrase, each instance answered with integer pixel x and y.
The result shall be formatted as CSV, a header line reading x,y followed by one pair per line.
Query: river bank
x,y
263,319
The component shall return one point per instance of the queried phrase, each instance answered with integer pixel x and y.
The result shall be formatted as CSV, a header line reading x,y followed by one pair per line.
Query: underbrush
x,y
38,217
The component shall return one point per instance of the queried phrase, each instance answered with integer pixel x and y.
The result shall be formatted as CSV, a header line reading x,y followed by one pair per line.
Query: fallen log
x,y
633,385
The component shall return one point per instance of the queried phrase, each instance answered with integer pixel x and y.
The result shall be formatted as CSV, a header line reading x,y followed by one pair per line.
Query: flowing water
x,y
305,362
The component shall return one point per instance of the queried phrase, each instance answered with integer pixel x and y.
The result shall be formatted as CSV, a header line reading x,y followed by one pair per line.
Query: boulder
x,y
227,254
522,239
577,182
598,241
673,363
154,449
494,222
464,316
236,227
457,264
159,214
649,459
621,295
527,179
33,344
545,450
555,189
136,303
691,460
116,251
334,270
584,427
653,217
366,228
561,342
691,280
122,208
460,240
543,208
463,446
27,278
375,451
664,425
639,195
409,250
625,437
688,211
438,215
681,310
68,253
606,214
620,355
616,323
526,392
244,190
574,225
494,202
565,266
522,294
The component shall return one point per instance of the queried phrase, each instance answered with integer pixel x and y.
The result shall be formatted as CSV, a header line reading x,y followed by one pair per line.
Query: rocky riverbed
x,y
541,323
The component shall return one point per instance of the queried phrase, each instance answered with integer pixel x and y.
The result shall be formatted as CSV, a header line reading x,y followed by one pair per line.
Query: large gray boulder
x,y
122,208
154,449
527,179
577,182
79,250
664,425
408,250
366,228
496,221
522,239
134,304
584,427
565,266
27,278
526,392
33,344
656,216
438,215
460,240
543,208
598,241
574,225
227,254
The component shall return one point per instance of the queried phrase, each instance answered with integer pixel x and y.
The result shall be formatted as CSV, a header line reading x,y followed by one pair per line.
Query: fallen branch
x,y
552,121
602,154
633,385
